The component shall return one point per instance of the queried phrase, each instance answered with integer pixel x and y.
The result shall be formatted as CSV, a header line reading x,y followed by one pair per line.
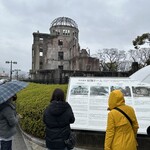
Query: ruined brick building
x,y
58,54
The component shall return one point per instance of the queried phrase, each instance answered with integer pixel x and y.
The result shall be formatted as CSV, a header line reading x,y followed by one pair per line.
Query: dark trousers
x,y
6,145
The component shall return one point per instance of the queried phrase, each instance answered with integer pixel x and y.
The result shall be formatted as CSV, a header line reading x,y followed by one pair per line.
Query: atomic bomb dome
x,y
64,21
57,55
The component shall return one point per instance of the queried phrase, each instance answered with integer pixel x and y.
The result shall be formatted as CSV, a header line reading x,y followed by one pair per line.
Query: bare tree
x,y
110,59
142,56
125,65
133,55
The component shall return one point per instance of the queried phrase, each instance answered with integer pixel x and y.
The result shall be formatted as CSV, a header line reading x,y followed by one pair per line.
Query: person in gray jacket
x,y
8,122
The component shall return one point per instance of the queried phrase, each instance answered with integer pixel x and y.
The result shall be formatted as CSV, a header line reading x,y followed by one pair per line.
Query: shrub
x,y
31,103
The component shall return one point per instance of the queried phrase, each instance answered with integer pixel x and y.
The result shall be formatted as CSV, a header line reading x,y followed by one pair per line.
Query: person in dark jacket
x,y
8,122
57,117
148,131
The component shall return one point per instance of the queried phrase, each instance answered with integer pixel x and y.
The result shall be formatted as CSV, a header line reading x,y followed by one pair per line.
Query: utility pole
x,y
17,74
11,62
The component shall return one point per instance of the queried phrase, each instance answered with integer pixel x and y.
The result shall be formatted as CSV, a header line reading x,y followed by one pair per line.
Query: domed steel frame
x,y
64,21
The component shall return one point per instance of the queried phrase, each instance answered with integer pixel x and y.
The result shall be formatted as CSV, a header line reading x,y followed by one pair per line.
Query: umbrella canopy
x,y
9,89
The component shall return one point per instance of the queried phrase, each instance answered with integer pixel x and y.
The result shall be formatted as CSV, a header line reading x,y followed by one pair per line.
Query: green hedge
x,y
30,105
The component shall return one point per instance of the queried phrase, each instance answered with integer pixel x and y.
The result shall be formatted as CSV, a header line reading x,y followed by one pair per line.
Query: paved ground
x,y
18,142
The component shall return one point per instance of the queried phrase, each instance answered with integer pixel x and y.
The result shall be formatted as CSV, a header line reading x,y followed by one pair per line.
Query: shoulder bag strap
x,y
124,114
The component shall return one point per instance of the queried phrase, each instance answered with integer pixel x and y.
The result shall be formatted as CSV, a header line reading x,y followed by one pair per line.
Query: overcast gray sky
x,y
101,23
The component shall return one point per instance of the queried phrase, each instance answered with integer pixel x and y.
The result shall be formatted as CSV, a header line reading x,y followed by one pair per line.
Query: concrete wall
x,y
94,140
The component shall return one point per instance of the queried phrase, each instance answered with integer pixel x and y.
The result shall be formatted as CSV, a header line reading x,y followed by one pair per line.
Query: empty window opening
x,y
41,65
33,52
60,42
61,67
60,55
66,32
41,53
56,32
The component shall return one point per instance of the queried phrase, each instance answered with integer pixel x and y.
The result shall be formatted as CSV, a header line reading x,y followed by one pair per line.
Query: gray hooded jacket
x,y
8,120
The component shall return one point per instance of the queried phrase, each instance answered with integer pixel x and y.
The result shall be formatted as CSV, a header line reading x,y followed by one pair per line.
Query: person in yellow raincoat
x,y
120,135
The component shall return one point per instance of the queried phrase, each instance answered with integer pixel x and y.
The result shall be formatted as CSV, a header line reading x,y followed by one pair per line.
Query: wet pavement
x,y
19,142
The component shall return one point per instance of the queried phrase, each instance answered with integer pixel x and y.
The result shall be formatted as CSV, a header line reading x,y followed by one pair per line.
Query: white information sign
x,y
88,97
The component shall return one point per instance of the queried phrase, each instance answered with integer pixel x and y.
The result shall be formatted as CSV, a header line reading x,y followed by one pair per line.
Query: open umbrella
x,y
9,89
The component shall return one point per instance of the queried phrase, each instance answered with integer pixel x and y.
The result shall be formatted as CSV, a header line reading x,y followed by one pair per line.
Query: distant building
x,y
58,54
4,75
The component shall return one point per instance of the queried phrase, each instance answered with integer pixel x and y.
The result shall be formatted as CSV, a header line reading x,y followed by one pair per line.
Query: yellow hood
x,y
116,98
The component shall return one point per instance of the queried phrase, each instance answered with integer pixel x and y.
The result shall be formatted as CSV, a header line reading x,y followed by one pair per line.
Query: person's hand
x,y
19,116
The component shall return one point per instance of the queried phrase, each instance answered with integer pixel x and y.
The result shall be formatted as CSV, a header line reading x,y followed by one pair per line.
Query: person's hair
x,y
58,95
14,98
148,131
